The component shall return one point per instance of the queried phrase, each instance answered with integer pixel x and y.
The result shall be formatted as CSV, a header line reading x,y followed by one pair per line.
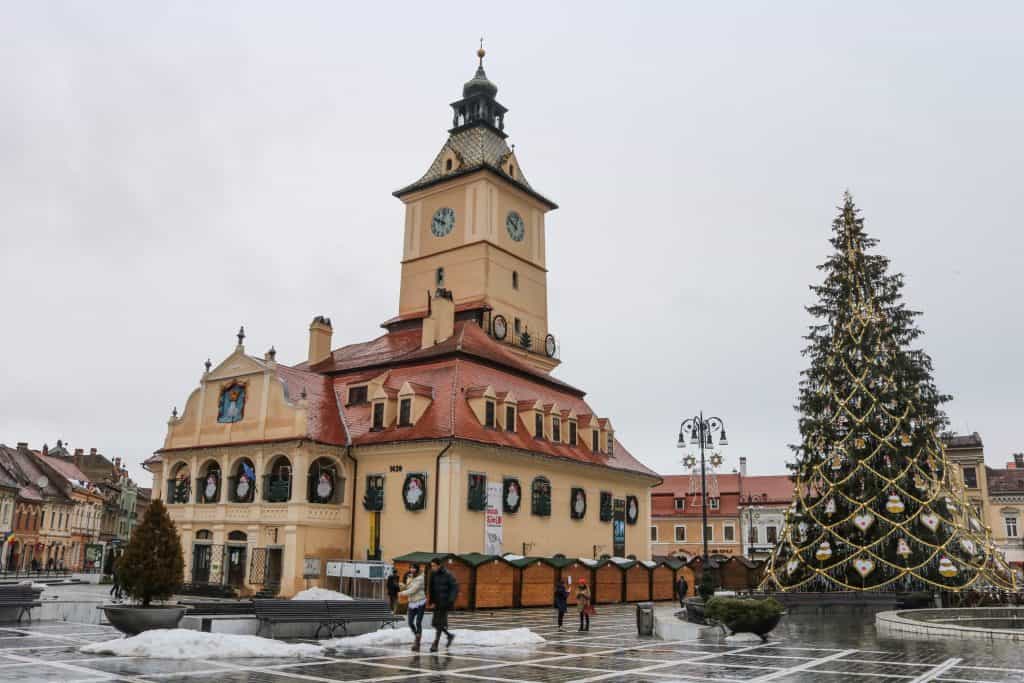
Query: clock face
x,y
514,225
443,222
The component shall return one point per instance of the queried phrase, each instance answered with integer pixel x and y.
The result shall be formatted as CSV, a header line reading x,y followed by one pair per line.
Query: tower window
x,y
439,277
518,327
515,279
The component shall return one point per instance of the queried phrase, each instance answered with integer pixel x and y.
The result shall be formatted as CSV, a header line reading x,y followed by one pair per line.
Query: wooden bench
x,y
19,597
208,611
326,614
343,612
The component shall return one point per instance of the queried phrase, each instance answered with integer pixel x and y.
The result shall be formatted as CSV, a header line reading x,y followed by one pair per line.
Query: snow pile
x,y
35,586
741,638
179,643
587,561
320,594
512,558
514,637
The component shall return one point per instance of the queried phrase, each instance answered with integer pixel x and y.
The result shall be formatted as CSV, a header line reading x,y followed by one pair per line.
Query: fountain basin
x,y
976,623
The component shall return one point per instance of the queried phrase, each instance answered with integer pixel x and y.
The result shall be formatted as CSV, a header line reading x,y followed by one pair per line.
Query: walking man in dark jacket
x,y
682,587
443,591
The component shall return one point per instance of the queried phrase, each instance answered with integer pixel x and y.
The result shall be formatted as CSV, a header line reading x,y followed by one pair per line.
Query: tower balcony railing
x,y
543,345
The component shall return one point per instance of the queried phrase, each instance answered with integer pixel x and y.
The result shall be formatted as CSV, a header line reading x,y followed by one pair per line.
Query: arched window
x,y
237,536
179,486
277,484
204,535
540,497
208,484
325,483
242,482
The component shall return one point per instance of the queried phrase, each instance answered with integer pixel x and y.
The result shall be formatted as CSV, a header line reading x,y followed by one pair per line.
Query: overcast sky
x,y
169,171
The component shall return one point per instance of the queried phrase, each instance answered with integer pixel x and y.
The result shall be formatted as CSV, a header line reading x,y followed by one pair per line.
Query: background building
x,y
676,517
1006,508
762,510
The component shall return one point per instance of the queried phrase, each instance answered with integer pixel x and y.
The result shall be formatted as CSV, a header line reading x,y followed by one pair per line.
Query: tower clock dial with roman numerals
x,y
515,226
443,222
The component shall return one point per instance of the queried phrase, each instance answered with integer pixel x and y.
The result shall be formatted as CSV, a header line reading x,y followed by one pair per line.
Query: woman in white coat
x,y
415,591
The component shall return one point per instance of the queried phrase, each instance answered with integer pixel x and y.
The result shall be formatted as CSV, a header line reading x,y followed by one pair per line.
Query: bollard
x,y
645,618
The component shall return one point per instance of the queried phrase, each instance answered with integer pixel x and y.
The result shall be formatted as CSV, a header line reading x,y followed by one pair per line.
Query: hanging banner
x,y
494,519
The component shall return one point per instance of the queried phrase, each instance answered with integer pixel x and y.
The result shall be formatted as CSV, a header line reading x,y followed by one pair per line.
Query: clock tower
x,y
475,226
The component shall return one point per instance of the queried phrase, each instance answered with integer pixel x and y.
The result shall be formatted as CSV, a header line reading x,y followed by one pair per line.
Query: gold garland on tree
x,y
875,504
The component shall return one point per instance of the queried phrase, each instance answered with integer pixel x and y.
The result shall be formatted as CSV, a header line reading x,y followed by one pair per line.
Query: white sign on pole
x,y
493,523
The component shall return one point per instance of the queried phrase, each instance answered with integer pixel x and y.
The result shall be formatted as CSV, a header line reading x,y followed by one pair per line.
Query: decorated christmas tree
x,y
876,504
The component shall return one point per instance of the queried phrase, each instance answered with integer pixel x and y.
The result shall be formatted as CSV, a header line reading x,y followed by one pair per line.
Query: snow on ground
x,y
743,638
320,594
179,643
514,637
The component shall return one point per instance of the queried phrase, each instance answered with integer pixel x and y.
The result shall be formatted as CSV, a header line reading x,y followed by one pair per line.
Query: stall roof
x,y
560,562
477,559
421,557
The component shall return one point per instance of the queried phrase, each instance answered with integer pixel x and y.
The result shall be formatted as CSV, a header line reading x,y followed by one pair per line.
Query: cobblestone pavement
x,y
804,648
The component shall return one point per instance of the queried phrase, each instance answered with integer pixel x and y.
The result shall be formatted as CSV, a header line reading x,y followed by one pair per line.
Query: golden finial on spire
x,y
481,52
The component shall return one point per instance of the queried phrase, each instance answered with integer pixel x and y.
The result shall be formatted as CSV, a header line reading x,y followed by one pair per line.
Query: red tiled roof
x,y
323,422
679,484
450,416
1010,480
777,487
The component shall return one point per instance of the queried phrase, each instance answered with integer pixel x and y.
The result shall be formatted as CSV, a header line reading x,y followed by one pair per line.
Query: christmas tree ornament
x,y
864,566
863,521
792,565
919,483
968,546
930,520
830,507
950,505
905,440
947,568
894,504
802,531
823,552
859,442
902,548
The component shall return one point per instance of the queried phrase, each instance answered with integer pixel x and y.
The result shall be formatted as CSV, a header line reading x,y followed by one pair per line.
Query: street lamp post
x,y
700,432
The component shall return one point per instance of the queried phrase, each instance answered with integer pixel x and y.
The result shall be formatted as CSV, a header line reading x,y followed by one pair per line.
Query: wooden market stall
x,y
638,581
663,581
571,570
739,574
494,581
609,582
536,584
462,571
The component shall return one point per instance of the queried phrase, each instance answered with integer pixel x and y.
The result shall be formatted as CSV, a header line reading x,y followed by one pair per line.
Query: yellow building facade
x,y
445,434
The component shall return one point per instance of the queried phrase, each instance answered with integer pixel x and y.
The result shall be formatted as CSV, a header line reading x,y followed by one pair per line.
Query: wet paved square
x,y
805,648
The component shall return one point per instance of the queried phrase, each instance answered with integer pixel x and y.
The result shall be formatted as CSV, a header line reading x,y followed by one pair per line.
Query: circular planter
x,y
761,627
133,620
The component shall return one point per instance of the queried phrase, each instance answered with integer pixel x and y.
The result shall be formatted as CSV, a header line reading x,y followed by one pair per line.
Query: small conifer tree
x,y
152,566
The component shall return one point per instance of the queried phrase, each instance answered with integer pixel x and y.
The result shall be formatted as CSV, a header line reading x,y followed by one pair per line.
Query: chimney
x,y
23,445
78,458
439,324
78,452
743,465
92,451
1018,460
320,332
46,449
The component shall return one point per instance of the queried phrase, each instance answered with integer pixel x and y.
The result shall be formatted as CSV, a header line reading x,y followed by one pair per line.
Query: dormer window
x,y
556,429
713,503
447,164
357,396
510,418
405,412
611,444
489,414
572,432
538,425
378,416
680,503
595,445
